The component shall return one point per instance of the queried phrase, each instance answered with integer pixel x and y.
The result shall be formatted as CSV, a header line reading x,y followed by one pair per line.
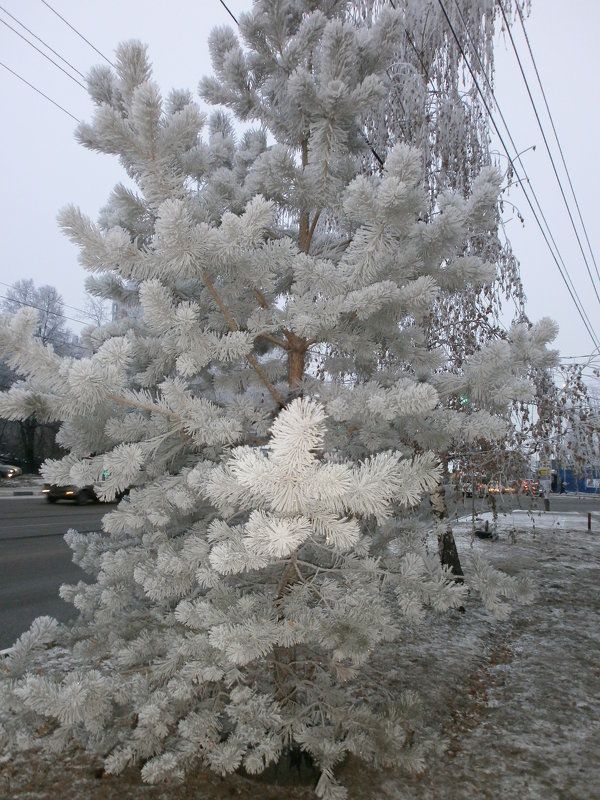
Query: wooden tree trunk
x,y
296,360
284,656
446,544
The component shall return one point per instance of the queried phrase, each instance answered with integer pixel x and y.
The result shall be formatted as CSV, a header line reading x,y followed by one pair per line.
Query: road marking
x,y
20,496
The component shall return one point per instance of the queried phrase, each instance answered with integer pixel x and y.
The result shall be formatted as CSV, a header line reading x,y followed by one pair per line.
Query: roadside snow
x,y
524,520
520,700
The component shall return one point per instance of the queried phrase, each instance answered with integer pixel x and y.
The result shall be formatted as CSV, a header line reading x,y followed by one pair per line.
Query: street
x,y
35,560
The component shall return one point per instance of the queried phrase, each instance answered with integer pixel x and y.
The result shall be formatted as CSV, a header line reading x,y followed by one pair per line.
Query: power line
x,y
574,293
560,150
81,36
54,313
580,310
46,45
594,354
586,323
565,275
537,116
66,305
35,89
564,271
226,9
41,52
39,308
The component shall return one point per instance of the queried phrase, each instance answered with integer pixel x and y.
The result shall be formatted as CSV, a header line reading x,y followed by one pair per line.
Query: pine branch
x,y
234,327
273,339
313,226
263,304
151,408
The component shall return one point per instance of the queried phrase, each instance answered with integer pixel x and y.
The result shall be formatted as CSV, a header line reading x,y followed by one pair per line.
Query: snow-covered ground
x,y
516,704
519,701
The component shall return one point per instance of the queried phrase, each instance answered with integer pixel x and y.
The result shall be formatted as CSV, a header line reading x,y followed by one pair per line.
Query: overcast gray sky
x,y
43,168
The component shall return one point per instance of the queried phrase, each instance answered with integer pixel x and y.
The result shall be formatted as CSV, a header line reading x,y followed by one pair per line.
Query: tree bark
x,y
446,545
296,359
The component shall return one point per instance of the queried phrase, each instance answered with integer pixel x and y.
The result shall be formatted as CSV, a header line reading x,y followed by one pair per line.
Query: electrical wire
x,y
66,305
518,157
64,342
54,313
81,36
41,52
594,354
550,156
587,325
38,308
39,91
574,295
46,45
560,150
566,276
227,10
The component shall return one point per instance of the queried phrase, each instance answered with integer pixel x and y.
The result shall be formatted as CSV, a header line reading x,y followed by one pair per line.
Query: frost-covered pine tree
x,y
269,398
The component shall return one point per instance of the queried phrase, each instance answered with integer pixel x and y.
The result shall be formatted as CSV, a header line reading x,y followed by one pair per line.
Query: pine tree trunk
x,y
446,544
449,554
296,360
296,365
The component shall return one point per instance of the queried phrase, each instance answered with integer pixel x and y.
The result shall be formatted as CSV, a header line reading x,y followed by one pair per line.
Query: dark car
x,y
76,494
10,471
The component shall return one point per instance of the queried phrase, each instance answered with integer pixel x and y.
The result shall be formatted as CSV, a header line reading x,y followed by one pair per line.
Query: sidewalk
x,y
24,485
524,520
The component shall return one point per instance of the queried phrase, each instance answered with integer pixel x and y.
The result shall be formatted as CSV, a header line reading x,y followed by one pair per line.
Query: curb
x,y
22,488
8,493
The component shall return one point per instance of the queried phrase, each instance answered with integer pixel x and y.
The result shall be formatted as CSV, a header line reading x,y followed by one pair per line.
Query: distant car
x,y
82,495
531,487
10,471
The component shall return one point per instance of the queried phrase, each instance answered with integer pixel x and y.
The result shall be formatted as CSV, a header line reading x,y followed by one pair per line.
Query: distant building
x,y
565,479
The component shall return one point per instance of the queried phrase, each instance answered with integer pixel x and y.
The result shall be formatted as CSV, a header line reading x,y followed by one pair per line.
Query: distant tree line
x,y
27,443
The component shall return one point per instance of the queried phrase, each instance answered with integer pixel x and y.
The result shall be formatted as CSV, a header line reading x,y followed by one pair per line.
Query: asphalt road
x,y
35,560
